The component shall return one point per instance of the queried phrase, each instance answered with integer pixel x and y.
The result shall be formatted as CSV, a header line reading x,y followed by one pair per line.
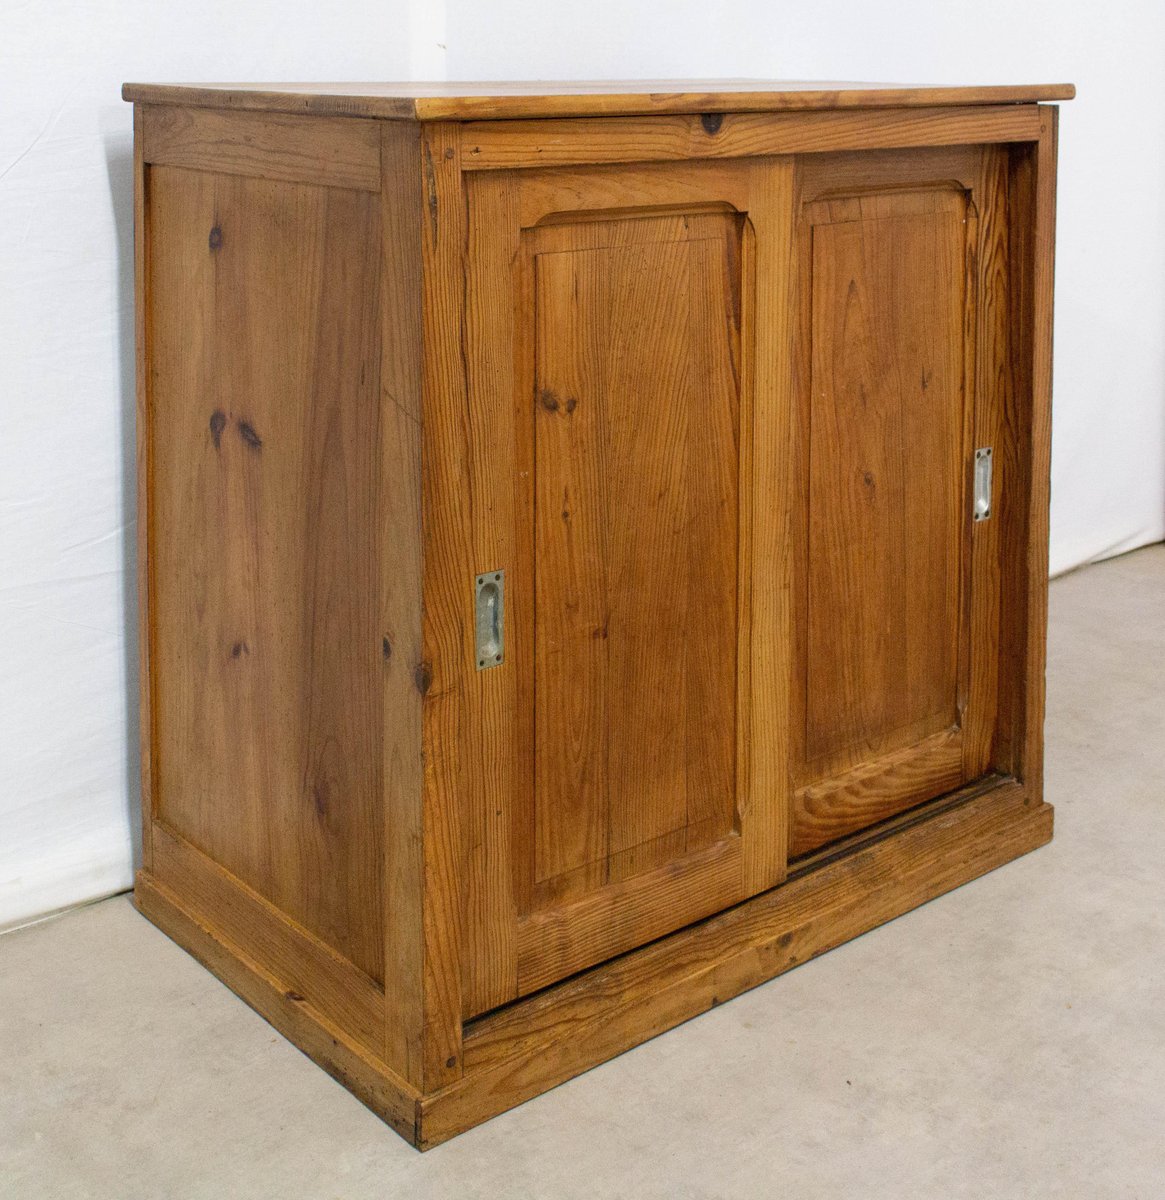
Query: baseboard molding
x,y
369,1079
536,1043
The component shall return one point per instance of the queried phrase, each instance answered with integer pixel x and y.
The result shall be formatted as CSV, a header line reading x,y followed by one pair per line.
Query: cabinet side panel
x,y
267,648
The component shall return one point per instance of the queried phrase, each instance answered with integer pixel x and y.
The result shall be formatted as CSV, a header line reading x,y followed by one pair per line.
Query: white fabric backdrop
x,y
68,716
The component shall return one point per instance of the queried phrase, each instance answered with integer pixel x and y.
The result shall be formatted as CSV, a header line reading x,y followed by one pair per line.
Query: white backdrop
x,y
68,718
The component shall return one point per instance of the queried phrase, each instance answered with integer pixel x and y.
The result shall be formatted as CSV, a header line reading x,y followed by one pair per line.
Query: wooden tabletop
x,y
490,101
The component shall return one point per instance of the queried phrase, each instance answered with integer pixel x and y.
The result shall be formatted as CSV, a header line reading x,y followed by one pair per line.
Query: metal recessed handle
x,y
981,505
491,619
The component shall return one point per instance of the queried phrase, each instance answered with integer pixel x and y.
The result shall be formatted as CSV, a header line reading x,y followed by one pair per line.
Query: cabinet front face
x,y
723,419
613,479
902,358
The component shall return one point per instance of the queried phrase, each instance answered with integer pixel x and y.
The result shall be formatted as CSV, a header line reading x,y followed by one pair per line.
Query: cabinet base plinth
x,y
532,1045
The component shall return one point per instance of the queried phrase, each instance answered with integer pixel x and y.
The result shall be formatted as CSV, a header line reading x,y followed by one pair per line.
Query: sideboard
x,y
592,548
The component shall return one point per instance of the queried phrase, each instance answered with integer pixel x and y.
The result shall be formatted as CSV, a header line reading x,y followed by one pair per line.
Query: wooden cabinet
x,y
593,548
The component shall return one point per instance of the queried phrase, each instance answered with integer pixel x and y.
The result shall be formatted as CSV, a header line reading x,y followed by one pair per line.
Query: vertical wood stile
x,y
988,275
1031,762
440,674
766,655
494,726
399,523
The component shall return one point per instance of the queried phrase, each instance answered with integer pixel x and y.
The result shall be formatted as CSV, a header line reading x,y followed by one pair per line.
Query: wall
x,y
68,711
68,716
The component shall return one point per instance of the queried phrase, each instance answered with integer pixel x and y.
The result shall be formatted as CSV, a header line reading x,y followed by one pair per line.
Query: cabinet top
x,y
494,101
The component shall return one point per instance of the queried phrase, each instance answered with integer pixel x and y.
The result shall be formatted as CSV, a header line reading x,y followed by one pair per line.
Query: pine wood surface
x,y
712,406
447,587
309,1027
305,964
263,585
398,511
636,405
1035,338
894,496
464,101
491,145
332,151
990,279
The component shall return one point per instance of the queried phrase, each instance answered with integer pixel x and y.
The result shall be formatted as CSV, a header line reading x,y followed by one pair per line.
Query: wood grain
x,y
827,177
447,648
563,194
500,714
499,828
634,545
767,610
850,878
327,151
265,359
566,938
991,282
532,1046
398,504
1043,228
494,145
876,789
1024,505
607,98
885,487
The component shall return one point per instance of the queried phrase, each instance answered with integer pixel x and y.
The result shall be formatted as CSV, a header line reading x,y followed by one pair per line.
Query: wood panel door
x,y
624,333
902,365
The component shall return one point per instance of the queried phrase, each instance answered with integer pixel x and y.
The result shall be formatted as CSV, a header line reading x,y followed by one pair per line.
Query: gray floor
x,y
1006,1040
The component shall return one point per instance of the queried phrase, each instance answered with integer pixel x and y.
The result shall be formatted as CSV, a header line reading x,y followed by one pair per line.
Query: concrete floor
x,y
1007,1040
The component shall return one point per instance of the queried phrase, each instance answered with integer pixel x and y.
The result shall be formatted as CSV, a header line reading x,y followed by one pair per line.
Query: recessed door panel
x,y
636,466
885,478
